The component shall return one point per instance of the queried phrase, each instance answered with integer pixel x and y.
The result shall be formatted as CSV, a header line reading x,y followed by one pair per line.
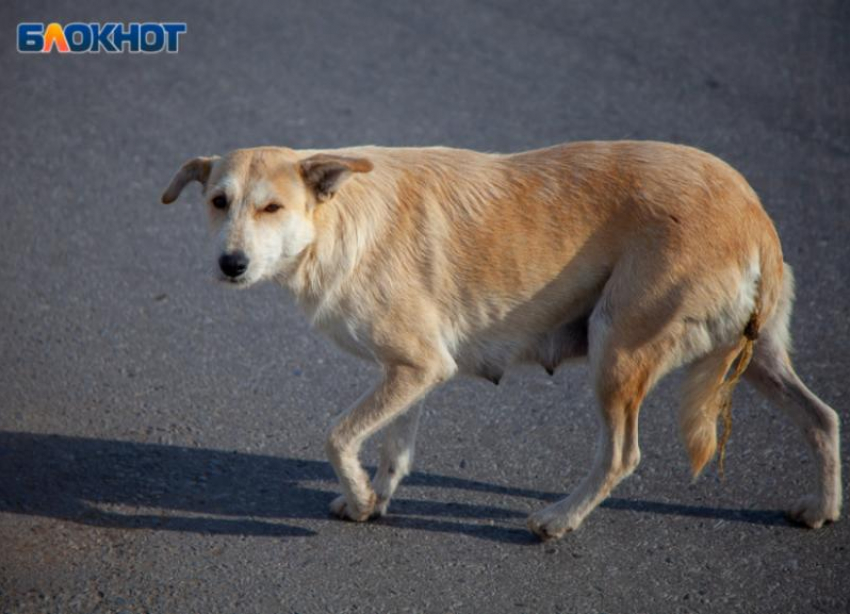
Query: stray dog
x,y
641,256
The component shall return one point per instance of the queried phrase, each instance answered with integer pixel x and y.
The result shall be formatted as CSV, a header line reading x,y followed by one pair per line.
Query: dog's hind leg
x,y
623,375
396,458
772,374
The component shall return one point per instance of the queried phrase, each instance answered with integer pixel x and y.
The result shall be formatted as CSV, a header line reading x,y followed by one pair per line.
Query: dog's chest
x,y
347,336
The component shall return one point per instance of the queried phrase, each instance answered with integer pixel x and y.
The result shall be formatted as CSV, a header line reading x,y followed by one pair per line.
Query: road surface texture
x,y
161,436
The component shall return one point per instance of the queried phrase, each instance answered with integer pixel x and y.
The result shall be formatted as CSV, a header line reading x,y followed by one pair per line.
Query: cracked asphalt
x,y
161,436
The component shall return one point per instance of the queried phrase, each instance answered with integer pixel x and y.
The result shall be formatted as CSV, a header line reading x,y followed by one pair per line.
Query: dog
x,y
640,256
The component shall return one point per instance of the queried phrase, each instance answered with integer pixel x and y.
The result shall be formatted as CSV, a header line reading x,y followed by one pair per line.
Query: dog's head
x,y
262,203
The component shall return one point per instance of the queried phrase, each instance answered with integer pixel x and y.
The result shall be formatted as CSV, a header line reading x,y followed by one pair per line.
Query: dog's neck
x,y
346,228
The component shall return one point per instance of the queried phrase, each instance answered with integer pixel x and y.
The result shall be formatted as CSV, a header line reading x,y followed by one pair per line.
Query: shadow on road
x,y
132,485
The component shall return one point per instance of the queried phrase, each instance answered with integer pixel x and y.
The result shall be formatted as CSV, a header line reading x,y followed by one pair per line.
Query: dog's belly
x,y
489,358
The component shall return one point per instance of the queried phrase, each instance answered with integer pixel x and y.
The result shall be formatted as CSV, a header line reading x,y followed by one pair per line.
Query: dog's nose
x,y
234,263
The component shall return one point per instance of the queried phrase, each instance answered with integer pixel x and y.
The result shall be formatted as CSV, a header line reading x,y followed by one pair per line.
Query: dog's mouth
x,y
237,282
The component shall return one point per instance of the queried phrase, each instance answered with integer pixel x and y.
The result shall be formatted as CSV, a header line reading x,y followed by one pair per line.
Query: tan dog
x,y
641,256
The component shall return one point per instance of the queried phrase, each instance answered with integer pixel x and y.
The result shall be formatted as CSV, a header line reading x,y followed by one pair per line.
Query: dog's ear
x,y
196,169
325,173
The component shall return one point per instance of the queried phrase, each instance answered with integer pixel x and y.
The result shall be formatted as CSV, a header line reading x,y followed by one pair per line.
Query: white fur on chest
x,y
347,335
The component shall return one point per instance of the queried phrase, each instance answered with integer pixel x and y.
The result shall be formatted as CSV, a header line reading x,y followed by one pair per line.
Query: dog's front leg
x,y
396,455
402,386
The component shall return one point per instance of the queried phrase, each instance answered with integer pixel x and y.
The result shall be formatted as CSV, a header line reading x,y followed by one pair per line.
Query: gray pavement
x,y
161,437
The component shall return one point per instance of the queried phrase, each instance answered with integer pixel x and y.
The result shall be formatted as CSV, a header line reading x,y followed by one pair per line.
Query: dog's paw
x,y
381,506
341,508
552,523
383,494
811,511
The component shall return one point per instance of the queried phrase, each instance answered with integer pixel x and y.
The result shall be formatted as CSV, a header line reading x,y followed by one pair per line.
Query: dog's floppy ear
x,y
325,173
196,169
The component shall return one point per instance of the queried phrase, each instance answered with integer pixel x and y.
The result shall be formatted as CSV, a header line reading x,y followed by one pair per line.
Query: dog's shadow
x,y
131,485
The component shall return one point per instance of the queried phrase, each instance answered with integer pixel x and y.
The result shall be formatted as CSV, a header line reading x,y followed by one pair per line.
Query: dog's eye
x,y
219,202
272,207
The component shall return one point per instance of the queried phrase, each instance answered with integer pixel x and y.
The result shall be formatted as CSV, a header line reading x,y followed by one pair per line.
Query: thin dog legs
x,y
402,386
396,455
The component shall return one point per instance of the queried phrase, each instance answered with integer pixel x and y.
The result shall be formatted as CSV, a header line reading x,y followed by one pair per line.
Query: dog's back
x,y
503,251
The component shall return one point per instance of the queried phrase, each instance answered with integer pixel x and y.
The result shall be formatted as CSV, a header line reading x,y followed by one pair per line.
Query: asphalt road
x,y
161,437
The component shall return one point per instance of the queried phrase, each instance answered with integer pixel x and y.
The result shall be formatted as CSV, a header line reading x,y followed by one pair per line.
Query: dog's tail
x,y
707,394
